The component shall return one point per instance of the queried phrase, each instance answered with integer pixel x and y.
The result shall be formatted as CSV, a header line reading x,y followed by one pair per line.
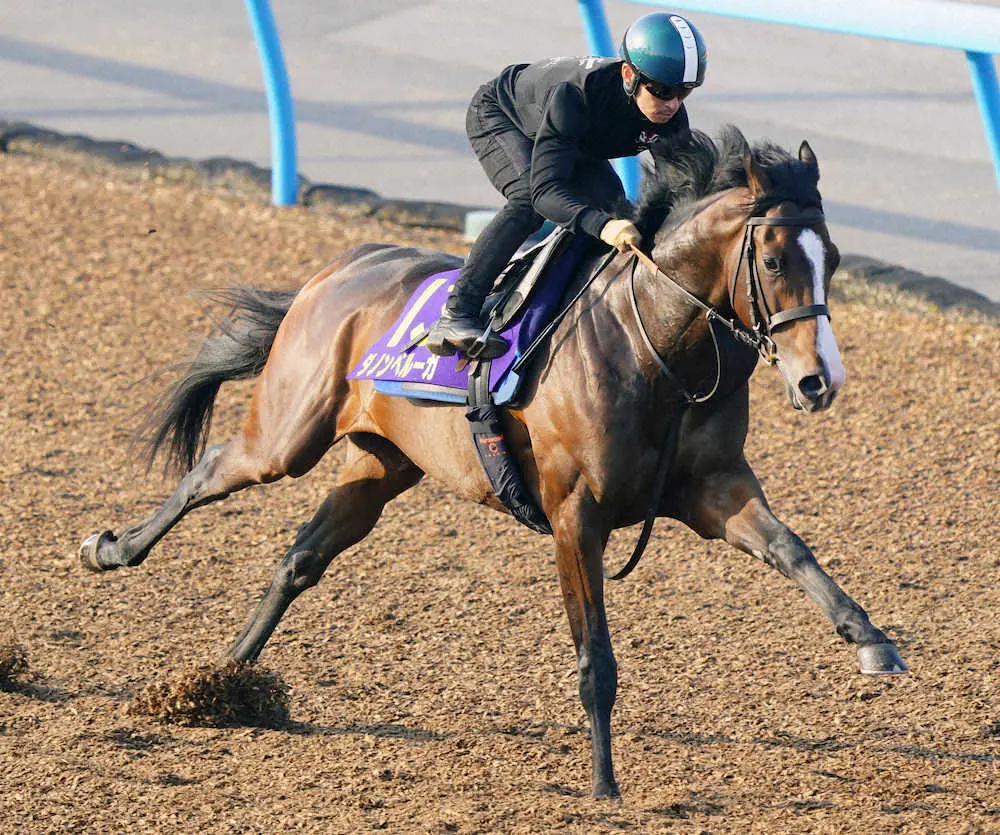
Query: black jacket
x,y
573,108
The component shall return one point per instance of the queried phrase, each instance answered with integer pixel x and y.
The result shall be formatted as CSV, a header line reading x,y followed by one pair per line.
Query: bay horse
x,y
733,230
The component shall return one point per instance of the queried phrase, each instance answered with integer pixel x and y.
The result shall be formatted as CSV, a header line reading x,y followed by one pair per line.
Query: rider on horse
x,y
544,133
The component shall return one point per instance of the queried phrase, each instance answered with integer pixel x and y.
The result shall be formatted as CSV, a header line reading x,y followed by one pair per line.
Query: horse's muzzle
x,y
812,393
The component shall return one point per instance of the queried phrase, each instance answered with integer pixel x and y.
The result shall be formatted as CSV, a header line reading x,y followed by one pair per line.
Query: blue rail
x,y
972,29
284,176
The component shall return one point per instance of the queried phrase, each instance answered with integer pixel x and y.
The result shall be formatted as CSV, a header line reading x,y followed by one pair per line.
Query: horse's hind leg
x,y
375,473
222,470
731,505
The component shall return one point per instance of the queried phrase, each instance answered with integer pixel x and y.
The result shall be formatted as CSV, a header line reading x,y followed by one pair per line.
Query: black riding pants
x,y
505,154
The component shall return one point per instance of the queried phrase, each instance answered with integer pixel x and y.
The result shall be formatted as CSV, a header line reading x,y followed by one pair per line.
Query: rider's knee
x,y
523,216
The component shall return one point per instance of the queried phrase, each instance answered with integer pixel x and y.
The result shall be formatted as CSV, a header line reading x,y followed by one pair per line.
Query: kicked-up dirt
x,y
431,678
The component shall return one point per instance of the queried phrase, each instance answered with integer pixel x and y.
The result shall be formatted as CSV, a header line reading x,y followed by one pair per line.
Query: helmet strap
x,y
631,86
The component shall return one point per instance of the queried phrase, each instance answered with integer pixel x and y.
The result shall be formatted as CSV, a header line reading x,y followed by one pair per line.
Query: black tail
x,y
238,350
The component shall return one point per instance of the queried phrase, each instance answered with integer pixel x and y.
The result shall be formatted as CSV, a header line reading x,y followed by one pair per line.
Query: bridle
x,y
762,320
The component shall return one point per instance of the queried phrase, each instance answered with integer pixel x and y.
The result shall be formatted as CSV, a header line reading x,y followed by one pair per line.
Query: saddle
x,y
525,298
512,289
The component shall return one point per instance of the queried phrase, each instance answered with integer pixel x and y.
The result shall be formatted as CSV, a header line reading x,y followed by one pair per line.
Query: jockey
x,y
544,133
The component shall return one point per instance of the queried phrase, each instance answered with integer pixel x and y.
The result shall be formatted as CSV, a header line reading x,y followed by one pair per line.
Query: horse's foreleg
x,y
731,506
579,556
370,478
220,471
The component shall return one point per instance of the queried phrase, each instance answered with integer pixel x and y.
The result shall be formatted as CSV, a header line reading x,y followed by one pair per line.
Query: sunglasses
x,y
667,92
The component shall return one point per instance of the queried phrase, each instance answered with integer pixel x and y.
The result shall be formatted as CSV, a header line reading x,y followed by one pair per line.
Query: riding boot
x,y
461,328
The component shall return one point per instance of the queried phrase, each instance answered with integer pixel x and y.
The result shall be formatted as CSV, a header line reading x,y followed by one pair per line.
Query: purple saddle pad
x,y
417,373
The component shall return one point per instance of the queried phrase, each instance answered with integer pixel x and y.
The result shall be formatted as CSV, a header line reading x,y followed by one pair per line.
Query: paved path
x,y
381,86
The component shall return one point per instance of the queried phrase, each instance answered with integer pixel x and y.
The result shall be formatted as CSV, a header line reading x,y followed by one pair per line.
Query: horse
x,y
735,234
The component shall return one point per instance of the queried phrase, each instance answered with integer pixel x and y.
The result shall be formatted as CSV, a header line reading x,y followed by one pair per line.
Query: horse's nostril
x,y
812,386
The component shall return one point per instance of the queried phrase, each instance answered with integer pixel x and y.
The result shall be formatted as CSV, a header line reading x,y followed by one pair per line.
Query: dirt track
x,y
431,672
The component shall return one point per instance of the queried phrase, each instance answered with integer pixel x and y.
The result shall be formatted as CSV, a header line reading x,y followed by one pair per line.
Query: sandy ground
x,y
431,673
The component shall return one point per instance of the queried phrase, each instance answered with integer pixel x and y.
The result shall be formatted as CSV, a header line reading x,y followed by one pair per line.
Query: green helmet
x,y
666,49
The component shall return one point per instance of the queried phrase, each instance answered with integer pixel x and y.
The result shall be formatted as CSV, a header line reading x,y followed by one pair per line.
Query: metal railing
x,y
284,169
973,29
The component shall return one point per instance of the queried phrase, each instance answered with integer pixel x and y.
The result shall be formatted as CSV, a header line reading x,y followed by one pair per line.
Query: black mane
x,y
702,167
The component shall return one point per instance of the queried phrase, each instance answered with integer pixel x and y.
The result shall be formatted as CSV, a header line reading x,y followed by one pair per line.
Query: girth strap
x,y
494,455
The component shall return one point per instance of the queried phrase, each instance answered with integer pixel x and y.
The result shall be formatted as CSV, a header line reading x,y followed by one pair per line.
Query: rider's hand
x,y
620,234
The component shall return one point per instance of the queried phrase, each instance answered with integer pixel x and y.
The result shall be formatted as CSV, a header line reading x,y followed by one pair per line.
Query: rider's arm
x,y
557,148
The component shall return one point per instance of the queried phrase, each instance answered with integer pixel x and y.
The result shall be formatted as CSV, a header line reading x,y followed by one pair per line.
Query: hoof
x,y
606,791
881,660
90,550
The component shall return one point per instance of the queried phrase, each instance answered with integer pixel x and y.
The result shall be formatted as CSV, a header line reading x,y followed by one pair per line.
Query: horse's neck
x,y
698,252
697,256
603,327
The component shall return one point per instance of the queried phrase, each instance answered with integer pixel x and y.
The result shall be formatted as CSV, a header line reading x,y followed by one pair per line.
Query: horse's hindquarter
x,y
369,295
368,286
334,318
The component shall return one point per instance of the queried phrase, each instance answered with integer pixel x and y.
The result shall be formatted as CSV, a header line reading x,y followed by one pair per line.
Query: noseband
x,y
762,320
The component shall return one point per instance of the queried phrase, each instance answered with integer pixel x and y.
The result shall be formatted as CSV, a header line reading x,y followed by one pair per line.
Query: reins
x,y
544,334
670,441
710,314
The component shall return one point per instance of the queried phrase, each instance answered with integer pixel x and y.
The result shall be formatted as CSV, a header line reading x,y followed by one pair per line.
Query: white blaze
x,y
826,343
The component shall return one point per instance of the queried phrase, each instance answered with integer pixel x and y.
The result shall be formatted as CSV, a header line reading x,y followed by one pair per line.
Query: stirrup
x,y
445,347
477,347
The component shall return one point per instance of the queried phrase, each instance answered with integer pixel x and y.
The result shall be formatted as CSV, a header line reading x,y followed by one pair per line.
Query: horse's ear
x,y
807,156
757,178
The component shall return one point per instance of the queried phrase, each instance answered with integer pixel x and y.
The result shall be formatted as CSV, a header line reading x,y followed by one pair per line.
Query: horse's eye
x,y
772,264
